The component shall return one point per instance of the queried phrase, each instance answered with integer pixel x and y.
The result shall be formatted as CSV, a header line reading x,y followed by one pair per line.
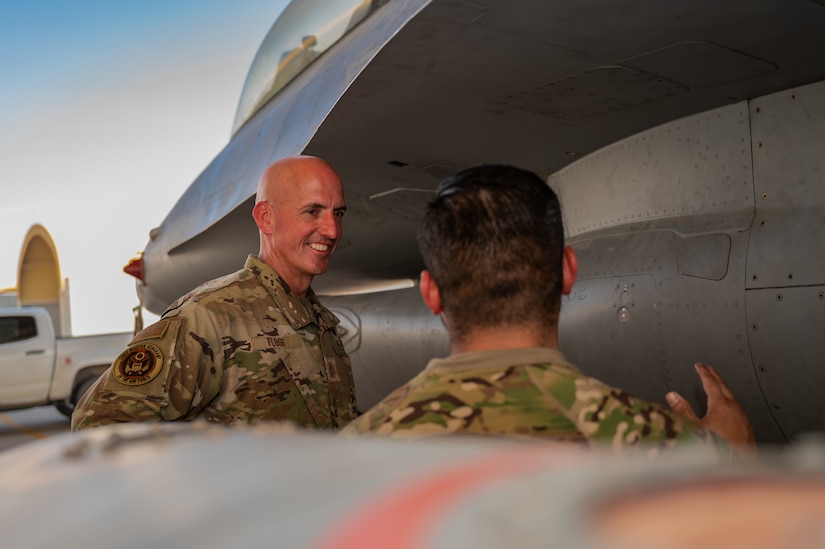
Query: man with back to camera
x,y
254,345
496,266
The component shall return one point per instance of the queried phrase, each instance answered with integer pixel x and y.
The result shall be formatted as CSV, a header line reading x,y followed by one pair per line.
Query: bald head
x,y
288,172
299,209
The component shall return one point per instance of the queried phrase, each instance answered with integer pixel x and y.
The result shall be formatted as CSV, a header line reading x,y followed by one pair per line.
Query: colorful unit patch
x,y
138,364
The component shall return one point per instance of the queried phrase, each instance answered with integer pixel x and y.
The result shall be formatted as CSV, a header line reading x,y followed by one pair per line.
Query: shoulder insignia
x,y
138,364
154,331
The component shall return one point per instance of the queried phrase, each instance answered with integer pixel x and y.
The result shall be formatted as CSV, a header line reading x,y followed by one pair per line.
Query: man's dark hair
x,y
493,241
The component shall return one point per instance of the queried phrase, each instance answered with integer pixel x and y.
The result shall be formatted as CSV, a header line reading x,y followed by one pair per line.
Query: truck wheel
x,y
66,407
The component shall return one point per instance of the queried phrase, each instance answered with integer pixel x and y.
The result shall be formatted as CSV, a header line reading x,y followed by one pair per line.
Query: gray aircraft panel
x,y
695,168
784,329
672,320
788,242
674,204
389,337
608,326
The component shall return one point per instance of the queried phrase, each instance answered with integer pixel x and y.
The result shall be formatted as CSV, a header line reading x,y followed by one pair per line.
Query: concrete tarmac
x,y
21,426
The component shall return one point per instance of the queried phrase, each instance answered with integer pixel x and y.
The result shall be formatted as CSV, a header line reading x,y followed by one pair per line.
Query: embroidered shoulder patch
x,y
138,364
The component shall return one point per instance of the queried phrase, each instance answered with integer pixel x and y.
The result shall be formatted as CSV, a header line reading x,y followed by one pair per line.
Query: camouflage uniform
x,y
530,392
238,348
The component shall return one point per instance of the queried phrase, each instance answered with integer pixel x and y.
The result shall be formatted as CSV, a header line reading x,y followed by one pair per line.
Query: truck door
x,y
26,361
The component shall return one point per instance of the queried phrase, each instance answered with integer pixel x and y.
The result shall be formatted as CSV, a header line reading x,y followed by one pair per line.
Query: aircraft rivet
x,y
779,297
754,327
821,295
763,369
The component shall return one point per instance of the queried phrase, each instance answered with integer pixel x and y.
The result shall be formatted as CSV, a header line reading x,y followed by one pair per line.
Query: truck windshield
x,y
16,328
303,31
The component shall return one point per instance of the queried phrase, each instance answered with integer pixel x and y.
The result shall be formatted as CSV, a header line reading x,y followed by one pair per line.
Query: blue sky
x,y
108,111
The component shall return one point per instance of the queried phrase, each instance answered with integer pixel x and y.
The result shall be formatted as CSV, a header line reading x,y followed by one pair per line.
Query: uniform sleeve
x,y
610,417
167,372
377,416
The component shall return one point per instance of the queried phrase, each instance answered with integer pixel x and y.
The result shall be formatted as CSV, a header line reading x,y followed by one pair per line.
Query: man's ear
x,y
262,214
569,269
430,292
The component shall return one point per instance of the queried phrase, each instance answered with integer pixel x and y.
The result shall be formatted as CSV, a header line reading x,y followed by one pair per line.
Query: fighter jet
x,y
685,139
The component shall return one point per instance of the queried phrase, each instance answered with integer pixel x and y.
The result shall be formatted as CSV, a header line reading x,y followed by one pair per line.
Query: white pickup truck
x,y
38,368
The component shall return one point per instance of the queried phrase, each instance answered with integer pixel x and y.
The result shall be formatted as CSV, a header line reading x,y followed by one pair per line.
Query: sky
x,y
108,111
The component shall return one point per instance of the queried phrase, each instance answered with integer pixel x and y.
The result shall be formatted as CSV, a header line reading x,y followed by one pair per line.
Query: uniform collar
x,y
498,358
297,310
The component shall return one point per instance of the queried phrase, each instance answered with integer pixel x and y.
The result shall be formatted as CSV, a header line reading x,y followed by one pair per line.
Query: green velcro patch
x,y
154,331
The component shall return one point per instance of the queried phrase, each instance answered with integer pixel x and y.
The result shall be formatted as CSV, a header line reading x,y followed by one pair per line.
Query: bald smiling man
x,y
255,345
